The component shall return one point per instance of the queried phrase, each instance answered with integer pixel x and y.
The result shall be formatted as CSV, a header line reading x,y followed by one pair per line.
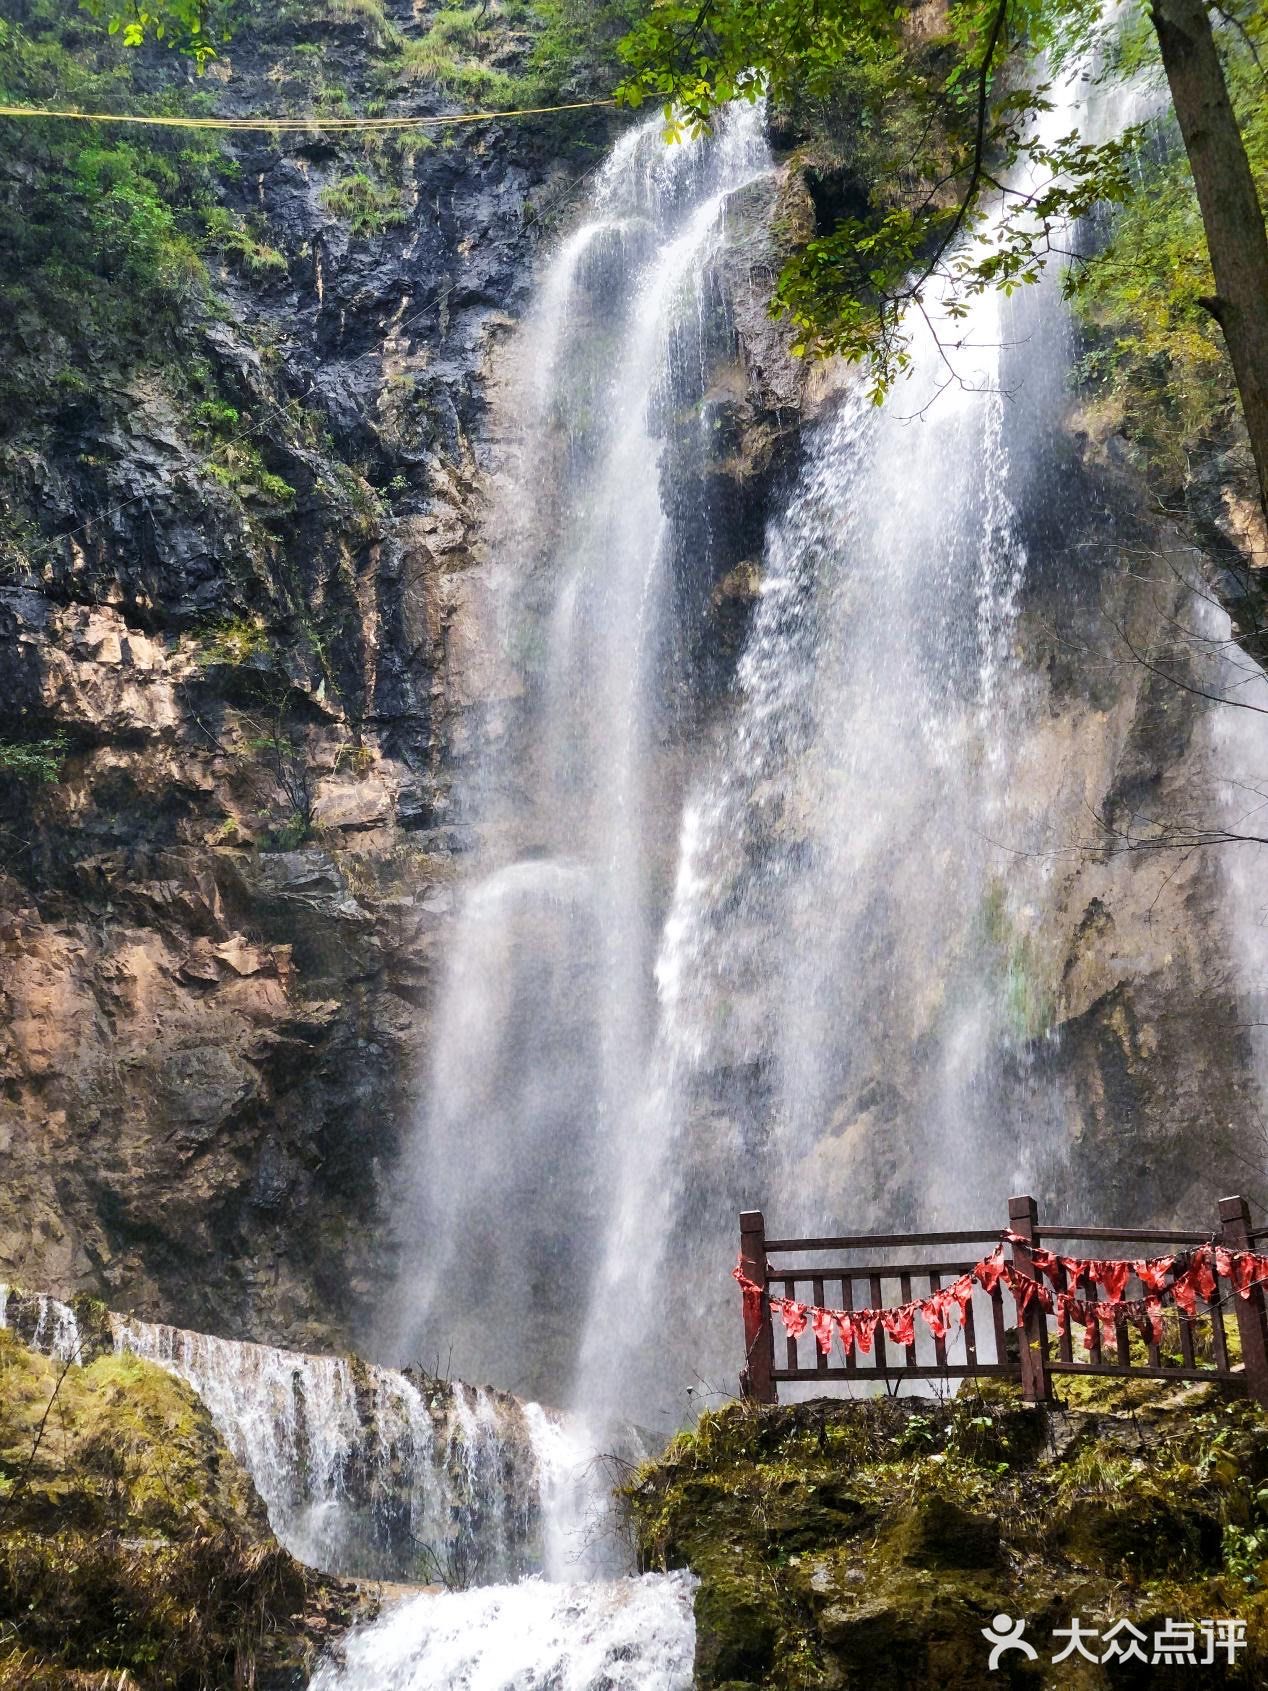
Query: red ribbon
x,y
900,1323
794,1315
987,1272
864,1326
821,1322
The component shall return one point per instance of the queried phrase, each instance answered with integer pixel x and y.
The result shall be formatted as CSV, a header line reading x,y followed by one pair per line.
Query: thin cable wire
x,y
300,124
269,405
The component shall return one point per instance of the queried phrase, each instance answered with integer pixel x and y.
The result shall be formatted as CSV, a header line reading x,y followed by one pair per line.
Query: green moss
x,y
843,1543
1024,995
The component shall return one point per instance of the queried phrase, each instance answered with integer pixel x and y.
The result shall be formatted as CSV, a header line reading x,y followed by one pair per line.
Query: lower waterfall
x,y
367,1472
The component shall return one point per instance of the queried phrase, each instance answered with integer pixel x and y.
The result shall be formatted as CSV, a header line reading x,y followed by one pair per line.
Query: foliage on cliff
x,y
850,1543
132,1543
1155,365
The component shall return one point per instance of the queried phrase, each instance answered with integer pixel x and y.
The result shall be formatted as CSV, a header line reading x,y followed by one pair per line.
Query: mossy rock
x,y
1151,1535
134,1550
127,1446
940,1533
737,1629
867,1544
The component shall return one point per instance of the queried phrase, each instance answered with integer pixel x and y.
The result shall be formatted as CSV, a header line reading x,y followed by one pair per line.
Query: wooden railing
x,y
897,1267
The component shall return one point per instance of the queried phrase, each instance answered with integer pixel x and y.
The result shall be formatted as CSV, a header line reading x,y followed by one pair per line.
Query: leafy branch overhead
x,y
191,26
964,188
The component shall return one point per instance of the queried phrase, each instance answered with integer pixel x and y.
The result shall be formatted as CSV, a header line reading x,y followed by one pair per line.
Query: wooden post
x,y
756,1383
1032,1329
1251,1324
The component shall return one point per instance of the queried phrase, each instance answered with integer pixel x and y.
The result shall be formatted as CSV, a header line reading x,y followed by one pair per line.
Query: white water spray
x,y
631,1635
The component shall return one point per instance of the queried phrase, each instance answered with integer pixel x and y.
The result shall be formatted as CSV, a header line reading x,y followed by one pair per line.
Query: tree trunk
x,y
1231,213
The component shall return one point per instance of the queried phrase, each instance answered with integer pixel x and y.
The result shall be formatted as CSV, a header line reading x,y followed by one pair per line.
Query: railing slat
x,y
1088,1290
1065,1343
790,1342
821,1361
875,1302
970,1336
904,1286
1122,1343
1154,1235
861,1270
884,1241
1219,1339
847,1302
939,1345
955,1371
1186,1339
997,1317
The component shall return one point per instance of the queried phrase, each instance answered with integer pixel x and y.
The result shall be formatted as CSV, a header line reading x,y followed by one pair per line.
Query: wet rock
x,y
1095,1517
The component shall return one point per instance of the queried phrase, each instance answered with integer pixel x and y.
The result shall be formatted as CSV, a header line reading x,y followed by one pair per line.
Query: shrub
x,y
364,204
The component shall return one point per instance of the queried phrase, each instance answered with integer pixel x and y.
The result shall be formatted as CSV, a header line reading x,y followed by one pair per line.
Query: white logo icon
x,y
1004,1633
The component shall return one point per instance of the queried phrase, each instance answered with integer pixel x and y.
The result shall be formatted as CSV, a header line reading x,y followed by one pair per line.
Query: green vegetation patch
x,y
35,763
367,206
131,1542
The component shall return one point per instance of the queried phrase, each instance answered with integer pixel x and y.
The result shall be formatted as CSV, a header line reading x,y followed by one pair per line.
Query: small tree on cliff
x,y
850,290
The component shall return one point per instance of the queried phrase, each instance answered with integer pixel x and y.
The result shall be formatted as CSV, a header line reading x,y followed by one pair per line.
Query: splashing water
x,y
43,1322
630,1635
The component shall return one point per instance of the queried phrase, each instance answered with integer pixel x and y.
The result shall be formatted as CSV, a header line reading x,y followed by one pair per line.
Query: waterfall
x,y
803,951
546,1016
626,1051
367,1471
43,1322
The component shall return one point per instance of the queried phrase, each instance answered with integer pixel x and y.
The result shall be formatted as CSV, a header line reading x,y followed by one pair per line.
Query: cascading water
x,y
43,1322
839,1001
545,1020
573,1122
366,1471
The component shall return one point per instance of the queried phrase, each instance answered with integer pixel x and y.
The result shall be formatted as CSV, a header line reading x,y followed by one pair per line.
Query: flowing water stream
x,y
371,1472
520,1171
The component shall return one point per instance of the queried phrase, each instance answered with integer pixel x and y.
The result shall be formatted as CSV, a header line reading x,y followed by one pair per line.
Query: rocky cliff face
x,y
236,625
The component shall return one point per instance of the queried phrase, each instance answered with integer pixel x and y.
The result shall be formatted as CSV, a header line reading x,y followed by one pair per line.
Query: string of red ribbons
x,y
1181,1278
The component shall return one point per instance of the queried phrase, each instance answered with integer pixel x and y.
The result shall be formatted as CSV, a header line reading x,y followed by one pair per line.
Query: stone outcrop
x,y
850,1543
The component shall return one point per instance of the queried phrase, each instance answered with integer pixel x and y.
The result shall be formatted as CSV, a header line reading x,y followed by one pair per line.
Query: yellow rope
x,y
299,123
